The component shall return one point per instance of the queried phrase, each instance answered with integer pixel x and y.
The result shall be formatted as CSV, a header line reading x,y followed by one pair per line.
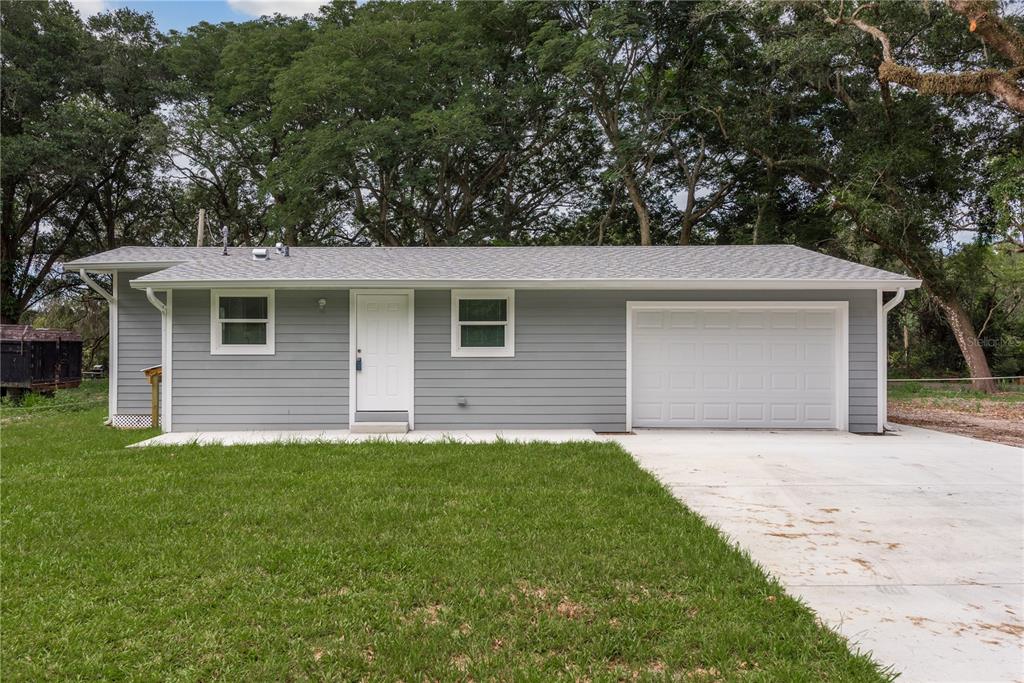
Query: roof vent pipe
x,y
260,254
224,238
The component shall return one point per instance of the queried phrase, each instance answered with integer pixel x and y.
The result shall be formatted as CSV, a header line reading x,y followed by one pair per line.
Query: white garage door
x,y
701,365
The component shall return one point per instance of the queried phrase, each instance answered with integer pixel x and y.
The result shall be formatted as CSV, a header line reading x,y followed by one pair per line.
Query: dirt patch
x,y
998,421
461,663
569,609
428,614
1015,630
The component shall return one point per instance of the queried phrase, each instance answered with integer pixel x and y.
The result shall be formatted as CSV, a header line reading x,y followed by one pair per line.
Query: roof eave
x,y
120,266
634,284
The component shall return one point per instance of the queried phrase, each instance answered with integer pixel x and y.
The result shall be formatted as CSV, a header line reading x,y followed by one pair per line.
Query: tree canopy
x,y
886,132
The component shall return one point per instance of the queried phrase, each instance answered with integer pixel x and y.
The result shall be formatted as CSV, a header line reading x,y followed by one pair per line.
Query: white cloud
x,y
87,8
291,8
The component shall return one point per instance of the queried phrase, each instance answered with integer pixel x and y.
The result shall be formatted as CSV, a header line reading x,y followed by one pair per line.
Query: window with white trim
x,y
242,321
483,323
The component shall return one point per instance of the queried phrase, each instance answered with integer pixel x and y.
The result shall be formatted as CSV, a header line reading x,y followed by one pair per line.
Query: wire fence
x,y
956,379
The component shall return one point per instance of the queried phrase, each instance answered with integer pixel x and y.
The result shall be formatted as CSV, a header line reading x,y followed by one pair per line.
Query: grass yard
x,y
946,391
370,561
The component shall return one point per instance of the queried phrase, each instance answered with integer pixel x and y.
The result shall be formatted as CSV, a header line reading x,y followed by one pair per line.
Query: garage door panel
x,y
750,412
818,381
716,352
648,411
822,413
735,368
751,320
682,380
817,352
820,321
716,320
784,352
750,352
682,319
716,381
649,347
683,411
681,352
717,412
750,381
785,412
784,320
784,381
649,320
647,380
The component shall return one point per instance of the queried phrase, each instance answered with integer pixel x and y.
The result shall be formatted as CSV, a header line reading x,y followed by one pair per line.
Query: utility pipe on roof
x,y
93,285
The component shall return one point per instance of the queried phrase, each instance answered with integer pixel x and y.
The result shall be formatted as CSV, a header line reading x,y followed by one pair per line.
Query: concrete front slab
x,y
344,436
911,544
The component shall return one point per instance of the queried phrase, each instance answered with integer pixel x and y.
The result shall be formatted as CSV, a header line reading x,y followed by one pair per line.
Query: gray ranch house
x,y
455,338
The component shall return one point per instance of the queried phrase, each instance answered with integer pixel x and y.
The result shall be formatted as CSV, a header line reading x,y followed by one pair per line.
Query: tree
x,y
911,176
995,65
424,123
224,134
1006,193
614,55
845,160
78,105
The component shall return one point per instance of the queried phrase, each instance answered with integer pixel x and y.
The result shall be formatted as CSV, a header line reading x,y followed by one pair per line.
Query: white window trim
x,y
219,349
507,351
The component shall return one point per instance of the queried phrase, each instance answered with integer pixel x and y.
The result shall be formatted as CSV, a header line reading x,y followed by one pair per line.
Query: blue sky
x,y
180,14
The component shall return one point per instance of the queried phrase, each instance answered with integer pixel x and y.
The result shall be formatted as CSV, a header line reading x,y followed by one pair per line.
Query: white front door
x,y
383,352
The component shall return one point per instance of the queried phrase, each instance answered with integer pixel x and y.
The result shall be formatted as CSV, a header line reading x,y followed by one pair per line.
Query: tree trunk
x,y
640,206
970,347
686,234
760,218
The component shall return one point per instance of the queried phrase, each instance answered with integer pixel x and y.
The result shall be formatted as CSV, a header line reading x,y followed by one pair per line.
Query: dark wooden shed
x,y
39,360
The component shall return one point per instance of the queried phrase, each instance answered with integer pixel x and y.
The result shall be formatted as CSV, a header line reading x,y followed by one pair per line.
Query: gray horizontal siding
x,y
569,369
138,346
570,364
304,385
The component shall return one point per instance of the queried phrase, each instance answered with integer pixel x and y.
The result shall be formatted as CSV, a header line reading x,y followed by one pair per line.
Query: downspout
x,y
894,302
160,304
162,307
883,361
112,323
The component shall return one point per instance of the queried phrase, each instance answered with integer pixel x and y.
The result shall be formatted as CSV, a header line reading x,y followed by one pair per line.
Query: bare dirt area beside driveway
x,y
954,408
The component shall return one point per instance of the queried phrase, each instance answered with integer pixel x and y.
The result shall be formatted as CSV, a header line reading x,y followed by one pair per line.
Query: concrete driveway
x,y
910,544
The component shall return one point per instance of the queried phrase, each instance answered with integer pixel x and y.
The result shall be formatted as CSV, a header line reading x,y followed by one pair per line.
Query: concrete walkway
x,y
911,545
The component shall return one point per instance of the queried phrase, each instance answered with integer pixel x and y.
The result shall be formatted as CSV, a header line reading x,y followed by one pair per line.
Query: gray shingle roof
x,y
658,265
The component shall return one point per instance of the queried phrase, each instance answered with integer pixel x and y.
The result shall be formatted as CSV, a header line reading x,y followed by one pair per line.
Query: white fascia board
x,y
108,268
639,284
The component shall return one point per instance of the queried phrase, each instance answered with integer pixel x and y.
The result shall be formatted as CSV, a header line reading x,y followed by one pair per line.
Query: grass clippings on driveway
x,y
373,561
957,409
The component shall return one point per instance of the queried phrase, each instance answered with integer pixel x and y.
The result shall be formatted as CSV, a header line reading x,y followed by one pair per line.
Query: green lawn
x,y
905,391
373,561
